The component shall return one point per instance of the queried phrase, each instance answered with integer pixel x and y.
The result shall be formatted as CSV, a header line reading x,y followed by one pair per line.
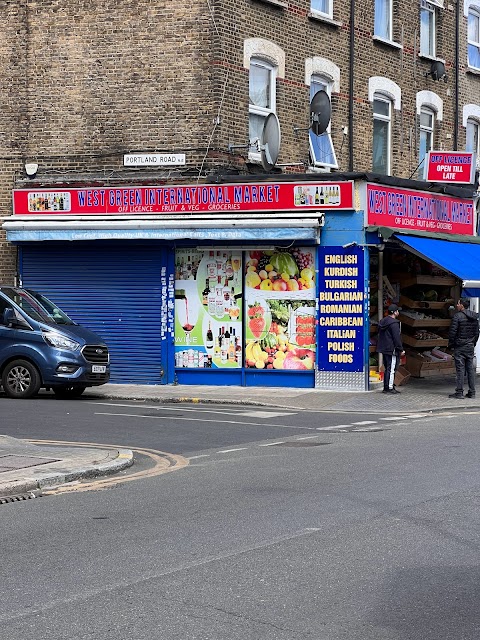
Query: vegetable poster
x,y
280,329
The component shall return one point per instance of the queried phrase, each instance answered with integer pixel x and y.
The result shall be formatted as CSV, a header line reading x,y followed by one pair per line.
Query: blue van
x,y
41,347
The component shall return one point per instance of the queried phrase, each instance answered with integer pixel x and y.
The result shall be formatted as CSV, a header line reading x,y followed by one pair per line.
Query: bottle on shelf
x,y
209,340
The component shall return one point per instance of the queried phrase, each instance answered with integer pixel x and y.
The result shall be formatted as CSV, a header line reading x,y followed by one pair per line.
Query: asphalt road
x,y
294,534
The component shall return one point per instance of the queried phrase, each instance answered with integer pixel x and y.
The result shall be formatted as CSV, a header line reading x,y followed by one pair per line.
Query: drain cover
x,y
303,444
11,462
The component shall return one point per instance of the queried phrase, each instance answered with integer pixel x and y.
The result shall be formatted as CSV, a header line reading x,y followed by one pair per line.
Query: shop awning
x,y
244,229
460,258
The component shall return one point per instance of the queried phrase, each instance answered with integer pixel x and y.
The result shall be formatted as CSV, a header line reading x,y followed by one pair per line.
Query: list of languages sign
x,y
341,313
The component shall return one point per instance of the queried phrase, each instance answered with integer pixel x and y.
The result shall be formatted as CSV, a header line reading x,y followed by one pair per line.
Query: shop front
x,y
254,284
209,284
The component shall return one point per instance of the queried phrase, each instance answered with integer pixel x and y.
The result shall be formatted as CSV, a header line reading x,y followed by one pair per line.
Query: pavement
x,y
27,469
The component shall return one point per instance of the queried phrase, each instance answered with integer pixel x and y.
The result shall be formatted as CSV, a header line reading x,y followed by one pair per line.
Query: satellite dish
x,y
270,142
320,112
437,70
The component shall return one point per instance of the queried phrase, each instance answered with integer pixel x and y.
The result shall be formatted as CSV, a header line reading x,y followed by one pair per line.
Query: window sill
x,y
473,71
388,43
320,17
425,56
280,4
321,169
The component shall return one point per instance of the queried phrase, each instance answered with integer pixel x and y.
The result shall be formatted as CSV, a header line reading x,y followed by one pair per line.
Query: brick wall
x,y
92,81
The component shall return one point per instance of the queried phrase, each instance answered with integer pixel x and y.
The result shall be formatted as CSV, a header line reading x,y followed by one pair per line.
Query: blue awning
x,y
462,259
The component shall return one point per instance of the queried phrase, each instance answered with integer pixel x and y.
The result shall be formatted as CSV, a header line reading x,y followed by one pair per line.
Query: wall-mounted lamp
x,y
349,245
437,71
31,169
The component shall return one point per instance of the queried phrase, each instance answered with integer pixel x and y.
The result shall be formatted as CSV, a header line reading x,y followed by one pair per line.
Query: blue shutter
x,y
114,290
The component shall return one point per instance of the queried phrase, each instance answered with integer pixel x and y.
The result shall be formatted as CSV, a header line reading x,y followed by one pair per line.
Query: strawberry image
x,y
257,325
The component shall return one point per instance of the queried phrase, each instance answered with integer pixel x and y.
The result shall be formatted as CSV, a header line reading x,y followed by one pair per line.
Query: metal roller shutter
x,y
113,290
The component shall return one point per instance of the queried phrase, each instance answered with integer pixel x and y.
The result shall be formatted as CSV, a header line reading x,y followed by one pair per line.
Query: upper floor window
x,y
262,84
382,115
427,29
473,137
427,120
383,19
474,38
321,147
323,7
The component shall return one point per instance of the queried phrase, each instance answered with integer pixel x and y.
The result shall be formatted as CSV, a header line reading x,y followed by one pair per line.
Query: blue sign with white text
x,y
341,313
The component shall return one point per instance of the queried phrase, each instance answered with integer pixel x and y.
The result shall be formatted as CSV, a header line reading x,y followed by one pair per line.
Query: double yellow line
x,y
162,463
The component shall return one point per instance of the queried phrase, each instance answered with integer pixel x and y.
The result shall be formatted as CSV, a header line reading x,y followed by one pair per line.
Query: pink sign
x,y
418,210
182,199
451,166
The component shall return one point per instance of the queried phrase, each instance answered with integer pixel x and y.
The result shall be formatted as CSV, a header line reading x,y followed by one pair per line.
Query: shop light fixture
x,y
233,247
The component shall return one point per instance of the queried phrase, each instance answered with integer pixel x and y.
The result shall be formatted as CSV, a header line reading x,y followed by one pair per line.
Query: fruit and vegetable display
x,y
280,270
282,335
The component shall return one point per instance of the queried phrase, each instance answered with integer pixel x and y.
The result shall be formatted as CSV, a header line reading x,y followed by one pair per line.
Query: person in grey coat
x,y
462,338
389,343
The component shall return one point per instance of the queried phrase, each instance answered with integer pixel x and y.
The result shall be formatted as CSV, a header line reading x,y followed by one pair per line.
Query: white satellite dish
x,y
270,142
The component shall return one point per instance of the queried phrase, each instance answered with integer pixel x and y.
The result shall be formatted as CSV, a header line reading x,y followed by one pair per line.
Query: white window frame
x,y
383,118
428,34
255,110
387,29
325,164
329,6
424,131
473,137
474,12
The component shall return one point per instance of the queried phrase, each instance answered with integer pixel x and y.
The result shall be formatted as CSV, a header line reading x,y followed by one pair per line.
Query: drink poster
x,y
280,329
208,309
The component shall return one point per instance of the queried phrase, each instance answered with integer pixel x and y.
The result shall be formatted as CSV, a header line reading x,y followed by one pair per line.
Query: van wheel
x,y
21,379
68,391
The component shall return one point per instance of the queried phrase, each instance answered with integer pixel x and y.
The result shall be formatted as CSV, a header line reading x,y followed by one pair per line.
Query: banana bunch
x,y
255,352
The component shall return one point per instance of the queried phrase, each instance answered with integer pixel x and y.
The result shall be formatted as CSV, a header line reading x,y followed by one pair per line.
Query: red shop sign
x,y
418,210
182,199
451,166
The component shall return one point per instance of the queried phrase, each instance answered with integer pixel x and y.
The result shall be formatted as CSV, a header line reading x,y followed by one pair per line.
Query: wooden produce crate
x,y
405,301
425,323
438,342
421,368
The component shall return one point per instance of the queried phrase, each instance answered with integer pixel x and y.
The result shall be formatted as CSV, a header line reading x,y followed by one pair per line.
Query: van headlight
x,y
60,341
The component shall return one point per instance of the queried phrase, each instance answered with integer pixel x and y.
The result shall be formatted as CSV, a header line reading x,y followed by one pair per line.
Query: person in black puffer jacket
x,y
463,336
389,343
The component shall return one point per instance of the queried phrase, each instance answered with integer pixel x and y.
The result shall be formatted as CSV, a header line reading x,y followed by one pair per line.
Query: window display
x,y
208,309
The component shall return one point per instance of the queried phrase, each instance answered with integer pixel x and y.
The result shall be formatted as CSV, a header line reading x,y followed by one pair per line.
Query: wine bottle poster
x,y
208,309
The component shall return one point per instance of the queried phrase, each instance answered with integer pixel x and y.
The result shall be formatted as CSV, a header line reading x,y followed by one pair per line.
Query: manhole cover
x,y
303,444
11,462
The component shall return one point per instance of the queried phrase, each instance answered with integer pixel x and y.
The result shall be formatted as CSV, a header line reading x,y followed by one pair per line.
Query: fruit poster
x,y
208,309
280,327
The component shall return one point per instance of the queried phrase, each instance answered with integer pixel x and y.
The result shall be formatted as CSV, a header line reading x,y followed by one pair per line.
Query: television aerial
x,y
320,114
268,145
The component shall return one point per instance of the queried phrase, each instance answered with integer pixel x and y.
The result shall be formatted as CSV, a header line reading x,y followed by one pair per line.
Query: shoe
x,y
470,395
391,391
458,396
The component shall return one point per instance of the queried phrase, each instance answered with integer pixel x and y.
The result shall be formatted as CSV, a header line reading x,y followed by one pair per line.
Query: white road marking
x,y
419,415
365,422
392,418
271,444
337,426
249,424
306,438
264,414
196,409
204,455
230,450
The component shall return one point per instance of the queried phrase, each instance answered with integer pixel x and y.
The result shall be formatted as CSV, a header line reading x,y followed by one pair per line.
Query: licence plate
x,y
98,368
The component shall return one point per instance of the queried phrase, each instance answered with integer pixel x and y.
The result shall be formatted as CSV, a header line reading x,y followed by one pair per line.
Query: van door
x,y
7,334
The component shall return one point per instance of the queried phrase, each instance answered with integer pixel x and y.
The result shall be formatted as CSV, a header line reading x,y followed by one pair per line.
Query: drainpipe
x,y
350,85
457,73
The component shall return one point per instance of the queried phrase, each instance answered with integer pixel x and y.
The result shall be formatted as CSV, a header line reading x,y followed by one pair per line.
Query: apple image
x,y
299,359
